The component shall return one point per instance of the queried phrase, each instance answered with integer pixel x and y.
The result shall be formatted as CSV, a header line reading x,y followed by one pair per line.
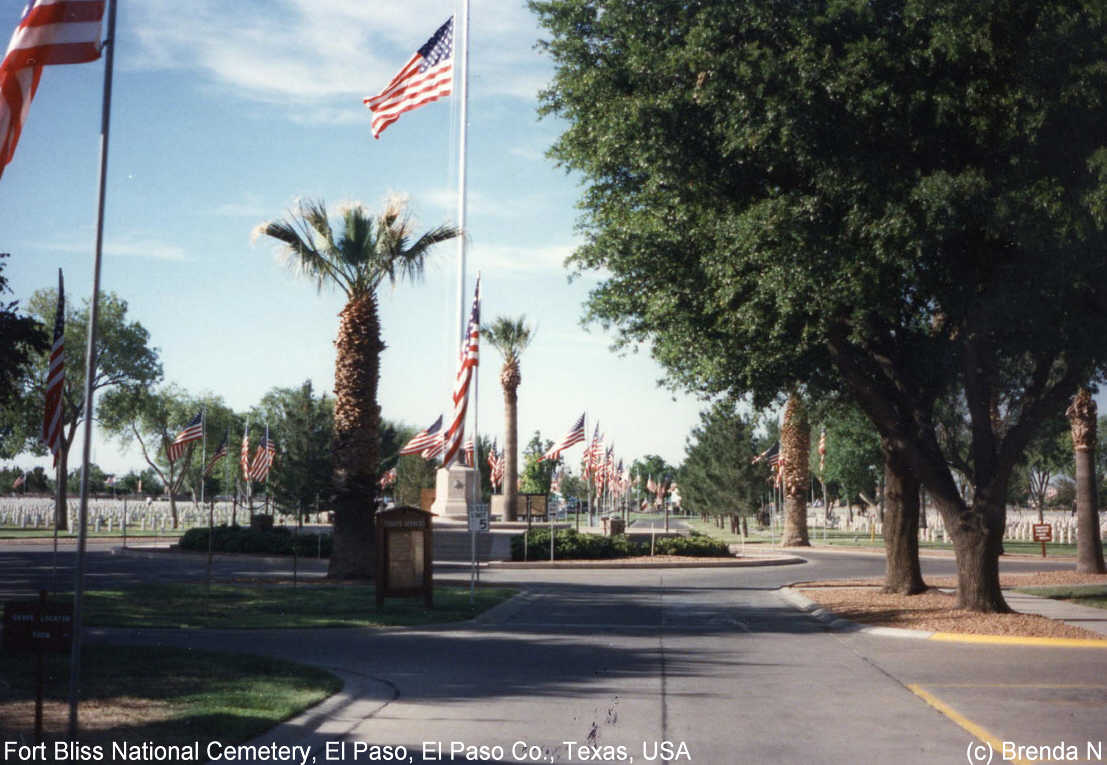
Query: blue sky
x,y
224,114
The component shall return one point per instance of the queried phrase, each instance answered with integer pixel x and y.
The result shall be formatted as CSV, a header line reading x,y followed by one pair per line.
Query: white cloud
x,y
128,246
302,53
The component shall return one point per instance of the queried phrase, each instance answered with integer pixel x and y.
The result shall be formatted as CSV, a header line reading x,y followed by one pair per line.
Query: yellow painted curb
x,y
955,637
977,732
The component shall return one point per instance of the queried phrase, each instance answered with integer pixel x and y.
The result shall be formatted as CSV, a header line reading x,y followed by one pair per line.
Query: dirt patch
x,y
937,611
102,720
1033,579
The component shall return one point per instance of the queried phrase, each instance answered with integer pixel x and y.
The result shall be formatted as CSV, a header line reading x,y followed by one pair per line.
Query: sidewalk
x,y
1085,617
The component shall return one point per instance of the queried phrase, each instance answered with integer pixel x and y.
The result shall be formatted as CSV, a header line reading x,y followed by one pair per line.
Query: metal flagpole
x,y
463,97
90,366
203,450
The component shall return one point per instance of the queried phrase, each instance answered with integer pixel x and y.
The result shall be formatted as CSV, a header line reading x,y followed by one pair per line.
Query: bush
x,y
569,544
239,539
693,545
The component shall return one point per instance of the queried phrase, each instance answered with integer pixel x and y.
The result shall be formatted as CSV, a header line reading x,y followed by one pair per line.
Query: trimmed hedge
x,y
570,544
242,539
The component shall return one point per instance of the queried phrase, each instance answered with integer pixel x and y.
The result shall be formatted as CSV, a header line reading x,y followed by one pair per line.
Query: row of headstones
x,y
138,517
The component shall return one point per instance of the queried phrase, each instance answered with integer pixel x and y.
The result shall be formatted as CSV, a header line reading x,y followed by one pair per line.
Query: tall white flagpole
x,y
462,33
90,366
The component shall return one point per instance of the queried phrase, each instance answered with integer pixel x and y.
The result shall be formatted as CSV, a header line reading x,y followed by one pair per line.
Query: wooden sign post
x,y
1043,532
38,627
404,554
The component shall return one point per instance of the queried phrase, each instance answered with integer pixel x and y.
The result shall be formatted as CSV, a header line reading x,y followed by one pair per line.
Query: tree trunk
x,y
1089,545
356,451
61,475
511,451
795,448
902,574
977,541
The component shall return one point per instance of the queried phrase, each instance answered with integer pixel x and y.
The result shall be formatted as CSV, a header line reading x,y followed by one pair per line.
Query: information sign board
x,y
1043,532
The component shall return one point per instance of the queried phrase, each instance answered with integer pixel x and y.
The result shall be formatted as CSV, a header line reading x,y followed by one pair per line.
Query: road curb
x,y
838,624
781,560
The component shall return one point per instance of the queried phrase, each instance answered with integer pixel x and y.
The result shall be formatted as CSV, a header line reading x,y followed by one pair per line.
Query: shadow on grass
x,y
151,693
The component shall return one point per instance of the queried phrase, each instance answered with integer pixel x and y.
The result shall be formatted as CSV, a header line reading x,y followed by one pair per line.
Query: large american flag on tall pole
x,y
466,369
427,76
55,380
50,32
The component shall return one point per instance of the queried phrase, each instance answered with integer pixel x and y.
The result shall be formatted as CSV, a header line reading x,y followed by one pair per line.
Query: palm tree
x,y
1089,547
795,453
510,337
366,251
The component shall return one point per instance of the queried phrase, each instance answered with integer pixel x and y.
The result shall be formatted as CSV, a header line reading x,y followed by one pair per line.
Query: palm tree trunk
x,y
1089,546
356,426
511,451
795,448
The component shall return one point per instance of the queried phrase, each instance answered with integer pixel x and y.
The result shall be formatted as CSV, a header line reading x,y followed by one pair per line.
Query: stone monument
x,y
453,487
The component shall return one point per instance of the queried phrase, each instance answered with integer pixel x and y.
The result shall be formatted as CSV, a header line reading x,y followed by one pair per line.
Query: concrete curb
x,y
838,624
782,560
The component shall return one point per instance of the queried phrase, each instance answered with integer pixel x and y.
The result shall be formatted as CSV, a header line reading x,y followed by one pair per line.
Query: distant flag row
x,y
256,468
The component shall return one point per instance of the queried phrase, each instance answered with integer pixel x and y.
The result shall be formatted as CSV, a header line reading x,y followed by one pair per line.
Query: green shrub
x,y
239,539
570,544
693,545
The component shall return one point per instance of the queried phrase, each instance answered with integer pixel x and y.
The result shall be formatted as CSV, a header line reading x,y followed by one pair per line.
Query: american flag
x,y
427,76
51,32
55,380
19,481
220,453
772,454
244,455
388,478
422,439
437,444
466,367
574,436
193,431
495,466
263,457
469,459
822,451
591,454
110,481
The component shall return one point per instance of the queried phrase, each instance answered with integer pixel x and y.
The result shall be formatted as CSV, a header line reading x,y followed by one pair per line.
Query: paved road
x,y
712,659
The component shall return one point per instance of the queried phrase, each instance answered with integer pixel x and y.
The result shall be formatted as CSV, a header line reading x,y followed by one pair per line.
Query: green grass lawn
x,y
838,538
1094,595
268,606
164,695
15,533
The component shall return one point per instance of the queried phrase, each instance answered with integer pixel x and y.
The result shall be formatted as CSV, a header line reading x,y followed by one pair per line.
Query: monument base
x,y
453,487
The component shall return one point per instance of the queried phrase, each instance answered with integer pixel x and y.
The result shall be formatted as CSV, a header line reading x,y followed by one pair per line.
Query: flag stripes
x,y
467,364
51,32
427,76
193,431
423,439
574,436
55,380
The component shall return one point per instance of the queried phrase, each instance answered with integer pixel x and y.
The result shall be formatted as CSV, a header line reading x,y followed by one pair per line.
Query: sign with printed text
x,y
1043,532
37,626
478,518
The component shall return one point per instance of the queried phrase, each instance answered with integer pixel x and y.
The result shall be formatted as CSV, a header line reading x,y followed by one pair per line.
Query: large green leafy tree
x,y
153,418
356,257
21,338
301,425
718,476
537,472
126,365
902,196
